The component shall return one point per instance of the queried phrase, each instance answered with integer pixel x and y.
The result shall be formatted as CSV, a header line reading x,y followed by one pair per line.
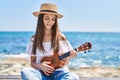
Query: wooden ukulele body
x,y
54,60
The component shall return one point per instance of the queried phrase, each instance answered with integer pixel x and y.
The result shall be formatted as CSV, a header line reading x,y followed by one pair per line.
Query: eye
x,y
46,18
53,19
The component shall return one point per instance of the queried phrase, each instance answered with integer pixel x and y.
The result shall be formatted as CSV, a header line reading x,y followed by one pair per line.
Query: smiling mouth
x,y
49,25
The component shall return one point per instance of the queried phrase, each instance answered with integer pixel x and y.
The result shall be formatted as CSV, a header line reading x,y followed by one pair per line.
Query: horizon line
x,y
62,31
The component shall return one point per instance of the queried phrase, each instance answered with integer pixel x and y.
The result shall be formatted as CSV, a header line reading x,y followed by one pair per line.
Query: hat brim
x,y
38,13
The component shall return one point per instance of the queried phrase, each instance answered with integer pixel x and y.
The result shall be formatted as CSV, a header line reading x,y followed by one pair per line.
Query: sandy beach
x,y
13,66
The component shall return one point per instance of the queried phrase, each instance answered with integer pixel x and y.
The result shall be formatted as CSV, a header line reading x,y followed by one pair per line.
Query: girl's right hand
x,y
44,66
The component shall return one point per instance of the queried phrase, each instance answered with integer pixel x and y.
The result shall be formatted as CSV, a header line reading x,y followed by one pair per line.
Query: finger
x,y
64,59
62,63
61,53
49,65
47,62
73,54
46,73
50,70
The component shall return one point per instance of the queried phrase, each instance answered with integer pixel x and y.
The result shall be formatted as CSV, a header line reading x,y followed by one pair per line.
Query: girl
x,y
47,41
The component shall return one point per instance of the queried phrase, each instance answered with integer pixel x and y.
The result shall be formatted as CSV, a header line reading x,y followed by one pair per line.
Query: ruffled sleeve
x,y
65,46
30,47
69,45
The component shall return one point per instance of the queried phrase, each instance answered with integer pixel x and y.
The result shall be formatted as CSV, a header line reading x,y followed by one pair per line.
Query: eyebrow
x,y
48,16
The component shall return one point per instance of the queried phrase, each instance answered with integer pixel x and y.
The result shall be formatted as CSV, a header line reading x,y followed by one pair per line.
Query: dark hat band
x,y
48,11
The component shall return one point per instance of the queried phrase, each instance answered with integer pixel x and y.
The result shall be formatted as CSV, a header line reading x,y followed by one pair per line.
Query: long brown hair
x,y
39,35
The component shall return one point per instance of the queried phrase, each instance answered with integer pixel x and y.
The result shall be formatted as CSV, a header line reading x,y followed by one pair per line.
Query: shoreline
x,y
13,66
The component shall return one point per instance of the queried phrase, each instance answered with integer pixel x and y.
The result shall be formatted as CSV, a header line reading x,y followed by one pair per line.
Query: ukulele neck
x,y
65,55
83,47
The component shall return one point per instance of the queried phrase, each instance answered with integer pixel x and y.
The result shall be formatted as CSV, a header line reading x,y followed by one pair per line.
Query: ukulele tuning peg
x,y
84,51
88,50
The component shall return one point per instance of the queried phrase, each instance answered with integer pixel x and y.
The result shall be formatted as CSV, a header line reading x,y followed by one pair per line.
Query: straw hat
x,y
48,8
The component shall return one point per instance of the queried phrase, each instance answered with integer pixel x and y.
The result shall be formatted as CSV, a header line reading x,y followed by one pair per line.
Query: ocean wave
x,y
21,55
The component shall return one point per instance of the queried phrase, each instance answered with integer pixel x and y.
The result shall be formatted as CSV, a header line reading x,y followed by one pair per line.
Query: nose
x,y
49,21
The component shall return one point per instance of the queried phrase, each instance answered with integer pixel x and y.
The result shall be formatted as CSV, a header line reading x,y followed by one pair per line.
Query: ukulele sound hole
x,y
53,61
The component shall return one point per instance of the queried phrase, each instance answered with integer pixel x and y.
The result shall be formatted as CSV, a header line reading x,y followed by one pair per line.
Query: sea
x,y
105,49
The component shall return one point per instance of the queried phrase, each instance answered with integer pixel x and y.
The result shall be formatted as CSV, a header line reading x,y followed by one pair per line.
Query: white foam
x,y
119,57
107,57
97,62
21,55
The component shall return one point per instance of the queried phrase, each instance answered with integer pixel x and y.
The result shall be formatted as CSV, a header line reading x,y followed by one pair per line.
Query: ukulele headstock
x,y
84,47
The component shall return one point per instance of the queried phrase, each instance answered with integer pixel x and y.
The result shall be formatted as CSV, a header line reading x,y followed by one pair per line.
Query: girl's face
x,y
49,20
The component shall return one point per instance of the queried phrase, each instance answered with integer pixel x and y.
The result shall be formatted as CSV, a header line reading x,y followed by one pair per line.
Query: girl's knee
x,y
25,73
25,70
30,74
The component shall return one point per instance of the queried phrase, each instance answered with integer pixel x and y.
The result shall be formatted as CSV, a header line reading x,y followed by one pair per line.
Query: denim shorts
x,y
33,74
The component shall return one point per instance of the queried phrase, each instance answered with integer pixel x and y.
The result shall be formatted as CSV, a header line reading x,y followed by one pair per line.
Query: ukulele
x,y
55,59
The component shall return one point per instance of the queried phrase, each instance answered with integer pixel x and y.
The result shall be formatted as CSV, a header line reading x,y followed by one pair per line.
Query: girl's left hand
x,y
73,54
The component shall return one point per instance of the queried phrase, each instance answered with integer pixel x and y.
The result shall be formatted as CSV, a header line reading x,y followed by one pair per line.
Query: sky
x,y
79,15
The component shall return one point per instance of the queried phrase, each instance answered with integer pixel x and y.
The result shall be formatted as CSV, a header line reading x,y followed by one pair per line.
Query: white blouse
x,y
65,46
